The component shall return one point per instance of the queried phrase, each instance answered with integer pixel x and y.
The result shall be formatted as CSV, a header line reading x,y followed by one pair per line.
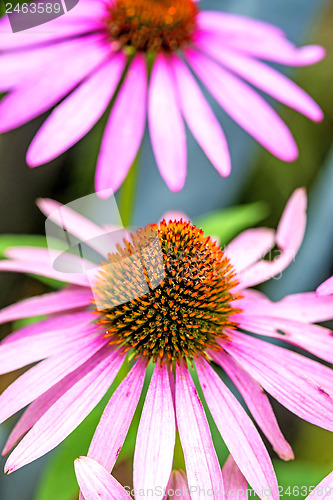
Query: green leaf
x,y
227,223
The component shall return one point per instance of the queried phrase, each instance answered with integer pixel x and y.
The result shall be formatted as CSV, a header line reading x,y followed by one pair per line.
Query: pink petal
x,y
120,144
245,106
156,436
74,117
264,77
85,18
315,339
326,288
41,377
44,89
52,324
289,237
305,307
43,269
300,384
232,25
32,348
49,303
47,256
166,126
234,481
238,432
179,485
200,118
68,412
256,38
96,483
324,490
44,402
72,222
116,419
202,466
250,246
172,215
259,406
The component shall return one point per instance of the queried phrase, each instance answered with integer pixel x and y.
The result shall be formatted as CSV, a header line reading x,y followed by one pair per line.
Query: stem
x,y
127,199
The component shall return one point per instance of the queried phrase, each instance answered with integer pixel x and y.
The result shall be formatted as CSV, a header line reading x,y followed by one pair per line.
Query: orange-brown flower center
x,y
167,293
152,25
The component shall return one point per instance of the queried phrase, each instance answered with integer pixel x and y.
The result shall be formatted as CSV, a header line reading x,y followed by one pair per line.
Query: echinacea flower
x,y
102,52
191,305
97,484
326,288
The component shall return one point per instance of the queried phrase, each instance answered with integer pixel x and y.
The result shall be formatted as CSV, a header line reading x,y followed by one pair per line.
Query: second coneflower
x,y
102,51
168,295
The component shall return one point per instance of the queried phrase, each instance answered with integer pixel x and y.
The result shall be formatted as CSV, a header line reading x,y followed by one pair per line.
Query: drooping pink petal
x,y
200,118
202,466
256,38
234,482
232,26
305,307
74,117
47,256
289,237
114,424
48,303
72,222
96,483
44,402
120,144
166,126
258,404
245,106
326,288
238,432
156,436
55,323
250,246
29,349
42,91
47,373
315,339
68,412
179,485
43,269
300,384
263,77
324,490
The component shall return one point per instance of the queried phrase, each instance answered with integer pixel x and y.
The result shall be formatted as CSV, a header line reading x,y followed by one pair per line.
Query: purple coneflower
x,y
102,52
198,316
97,484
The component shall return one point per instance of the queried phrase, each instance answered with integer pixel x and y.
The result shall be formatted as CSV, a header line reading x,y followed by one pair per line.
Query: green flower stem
x,y
128,192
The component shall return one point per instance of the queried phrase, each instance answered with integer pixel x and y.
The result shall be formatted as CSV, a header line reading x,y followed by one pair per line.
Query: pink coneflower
x,y
197,316
102,52
97,484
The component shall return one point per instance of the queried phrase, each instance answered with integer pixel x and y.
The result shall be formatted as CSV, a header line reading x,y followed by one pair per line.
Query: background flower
x,y
101,49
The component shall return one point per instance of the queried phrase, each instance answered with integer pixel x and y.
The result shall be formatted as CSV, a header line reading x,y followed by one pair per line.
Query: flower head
x,y
192,308
103,49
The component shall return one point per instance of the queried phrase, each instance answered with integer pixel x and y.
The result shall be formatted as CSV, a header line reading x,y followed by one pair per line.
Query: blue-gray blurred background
x,y
256,176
